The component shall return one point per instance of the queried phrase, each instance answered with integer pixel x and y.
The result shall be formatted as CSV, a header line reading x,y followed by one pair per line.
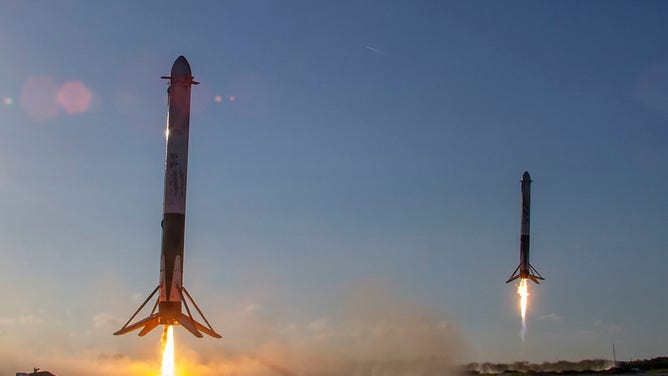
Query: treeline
x,y
561,366
644,364
564,367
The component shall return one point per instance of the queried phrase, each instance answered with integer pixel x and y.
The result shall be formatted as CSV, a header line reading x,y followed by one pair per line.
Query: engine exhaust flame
x,y
523,292
168,351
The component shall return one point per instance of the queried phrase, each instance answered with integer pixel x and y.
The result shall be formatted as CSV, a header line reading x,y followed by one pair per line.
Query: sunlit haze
x,y
353,183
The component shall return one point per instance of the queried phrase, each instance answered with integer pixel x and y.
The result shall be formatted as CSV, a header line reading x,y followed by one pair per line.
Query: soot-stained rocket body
x,y
525,270
173,296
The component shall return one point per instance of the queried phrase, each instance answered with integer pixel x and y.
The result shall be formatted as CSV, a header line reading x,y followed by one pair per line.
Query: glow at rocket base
x,y
523,292
168,351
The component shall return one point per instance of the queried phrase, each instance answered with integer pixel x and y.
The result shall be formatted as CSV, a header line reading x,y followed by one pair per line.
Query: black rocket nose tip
x,y
526,176
181,68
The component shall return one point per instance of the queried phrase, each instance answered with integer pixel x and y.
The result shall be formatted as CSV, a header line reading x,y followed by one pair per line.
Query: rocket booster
x,y
173,296
525,270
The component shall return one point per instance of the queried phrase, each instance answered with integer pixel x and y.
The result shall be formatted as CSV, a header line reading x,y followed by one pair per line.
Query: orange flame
x,y
523,292
168,351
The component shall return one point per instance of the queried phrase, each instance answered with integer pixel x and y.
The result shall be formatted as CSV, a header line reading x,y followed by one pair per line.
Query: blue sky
x,y
370,147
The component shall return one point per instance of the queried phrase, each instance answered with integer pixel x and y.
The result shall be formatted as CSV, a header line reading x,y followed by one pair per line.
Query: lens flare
x,y
38,98
74,97
523,292
168,351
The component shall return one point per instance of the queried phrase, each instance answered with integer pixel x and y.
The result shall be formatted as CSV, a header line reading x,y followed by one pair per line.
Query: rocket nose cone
x,y
526,176
181,68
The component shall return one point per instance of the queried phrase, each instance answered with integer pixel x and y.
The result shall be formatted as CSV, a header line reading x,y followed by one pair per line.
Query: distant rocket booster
x,y
525,269
173,296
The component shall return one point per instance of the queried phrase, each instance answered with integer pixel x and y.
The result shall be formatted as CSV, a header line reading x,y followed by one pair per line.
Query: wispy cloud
x,y
373,49
29,319
614,327
318,325
551,317
252,308
102,320
611,327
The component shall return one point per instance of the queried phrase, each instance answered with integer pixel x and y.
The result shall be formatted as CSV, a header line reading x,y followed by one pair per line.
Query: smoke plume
x,y
372,332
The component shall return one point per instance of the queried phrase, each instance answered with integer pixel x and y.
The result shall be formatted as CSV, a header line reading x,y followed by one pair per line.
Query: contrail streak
x,y
374,50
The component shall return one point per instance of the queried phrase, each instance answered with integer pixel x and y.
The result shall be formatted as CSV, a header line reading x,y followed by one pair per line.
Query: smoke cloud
x,y
372,332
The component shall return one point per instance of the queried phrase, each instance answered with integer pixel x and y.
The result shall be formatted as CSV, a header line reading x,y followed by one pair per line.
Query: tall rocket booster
x,y
525,270
173,296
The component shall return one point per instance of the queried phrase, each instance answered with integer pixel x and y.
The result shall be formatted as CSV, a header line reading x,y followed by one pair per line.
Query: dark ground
x,y
655,366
